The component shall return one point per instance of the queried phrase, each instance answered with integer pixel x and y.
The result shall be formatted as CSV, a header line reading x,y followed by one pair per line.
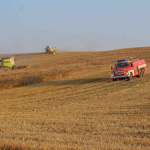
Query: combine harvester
x,y
50,50
9,63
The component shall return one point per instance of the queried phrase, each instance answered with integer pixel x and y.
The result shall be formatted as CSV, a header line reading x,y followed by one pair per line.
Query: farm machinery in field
x,y
10,63
50,50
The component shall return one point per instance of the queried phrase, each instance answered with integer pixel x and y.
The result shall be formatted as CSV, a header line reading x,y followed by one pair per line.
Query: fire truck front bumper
x,y
118,77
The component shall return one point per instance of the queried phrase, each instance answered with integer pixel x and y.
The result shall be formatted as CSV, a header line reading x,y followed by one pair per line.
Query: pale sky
x,y
74,25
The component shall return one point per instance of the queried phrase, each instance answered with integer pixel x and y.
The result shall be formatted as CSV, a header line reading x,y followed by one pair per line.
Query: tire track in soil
x,y
90,90
84,91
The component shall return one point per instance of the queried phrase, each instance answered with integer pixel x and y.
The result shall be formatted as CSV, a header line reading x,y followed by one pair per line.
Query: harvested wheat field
x,y
67,101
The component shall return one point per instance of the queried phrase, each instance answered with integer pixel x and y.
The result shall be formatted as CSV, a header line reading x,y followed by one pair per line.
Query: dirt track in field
x,y
82,110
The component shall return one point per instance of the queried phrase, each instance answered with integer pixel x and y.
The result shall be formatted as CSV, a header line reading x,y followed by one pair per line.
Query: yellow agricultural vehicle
x,y
50,50
9,63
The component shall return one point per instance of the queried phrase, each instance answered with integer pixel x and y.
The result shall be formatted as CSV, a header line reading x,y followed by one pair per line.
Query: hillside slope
x,y
82,111
49,67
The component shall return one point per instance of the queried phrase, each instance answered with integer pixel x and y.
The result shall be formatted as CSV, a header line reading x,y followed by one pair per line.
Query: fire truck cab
x,y
128,68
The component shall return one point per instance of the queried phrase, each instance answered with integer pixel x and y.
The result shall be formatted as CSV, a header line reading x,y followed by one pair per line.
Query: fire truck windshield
x,y
122,65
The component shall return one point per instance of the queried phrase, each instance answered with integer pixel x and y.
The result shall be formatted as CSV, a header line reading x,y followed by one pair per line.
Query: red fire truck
x,y
128,68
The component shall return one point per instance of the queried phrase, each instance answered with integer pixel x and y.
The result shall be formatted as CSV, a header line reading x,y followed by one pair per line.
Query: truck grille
x,y
120,72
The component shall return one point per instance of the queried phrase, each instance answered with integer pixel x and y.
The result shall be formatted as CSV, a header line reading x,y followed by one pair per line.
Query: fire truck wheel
x,y
141,73
130,77
114,79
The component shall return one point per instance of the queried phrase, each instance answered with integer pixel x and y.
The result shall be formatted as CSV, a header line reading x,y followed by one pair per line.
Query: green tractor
x,y
50,50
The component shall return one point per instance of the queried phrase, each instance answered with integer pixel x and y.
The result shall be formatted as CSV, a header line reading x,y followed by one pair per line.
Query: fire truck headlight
x,y
112,74
127,72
